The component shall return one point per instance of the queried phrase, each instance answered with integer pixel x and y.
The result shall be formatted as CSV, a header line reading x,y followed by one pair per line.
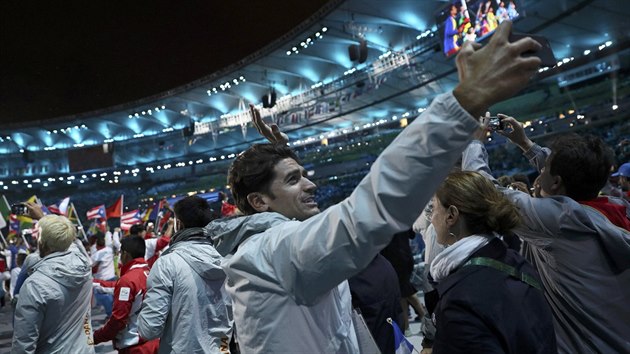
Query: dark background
x,y
59,58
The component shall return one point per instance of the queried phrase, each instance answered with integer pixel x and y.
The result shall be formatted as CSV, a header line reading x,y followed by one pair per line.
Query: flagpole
x,y
24,239
4,240
78,221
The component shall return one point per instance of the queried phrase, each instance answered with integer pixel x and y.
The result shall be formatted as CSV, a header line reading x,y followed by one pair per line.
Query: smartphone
x,y
495,123
19,209
545,53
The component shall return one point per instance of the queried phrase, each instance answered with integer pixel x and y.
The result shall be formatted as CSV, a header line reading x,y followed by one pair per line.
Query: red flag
x,y
116,210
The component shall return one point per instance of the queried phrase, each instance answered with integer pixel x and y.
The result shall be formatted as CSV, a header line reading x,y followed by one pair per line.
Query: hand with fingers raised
x,y
270,132
495,72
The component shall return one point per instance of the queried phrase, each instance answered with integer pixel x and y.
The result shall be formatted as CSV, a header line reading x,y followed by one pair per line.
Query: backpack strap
x,y
507,269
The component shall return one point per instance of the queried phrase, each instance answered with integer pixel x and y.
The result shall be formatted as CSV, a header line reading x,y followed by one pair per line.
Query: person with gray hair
x,y
53,312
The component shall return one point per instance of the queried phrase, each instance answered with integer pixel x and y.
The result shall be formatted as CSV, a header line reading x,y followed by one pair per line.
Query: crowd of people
x,y
285,276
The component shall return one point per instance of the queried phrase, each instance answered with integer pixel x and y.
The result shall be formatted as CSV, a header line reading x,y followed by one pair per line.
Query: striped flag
x,y
54,208
96,212
130,218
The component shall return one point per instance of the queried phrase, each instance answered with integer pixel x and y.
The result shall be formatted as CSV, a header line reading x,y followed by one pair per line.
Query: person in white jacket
x,y
53,310
186,305
289,263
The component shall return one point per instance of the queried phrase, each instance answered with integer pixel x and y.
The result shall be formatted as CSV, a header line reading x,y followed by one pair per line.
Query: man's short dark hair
x,y
193,211
252,171
100,239
583,162
134,245
136,229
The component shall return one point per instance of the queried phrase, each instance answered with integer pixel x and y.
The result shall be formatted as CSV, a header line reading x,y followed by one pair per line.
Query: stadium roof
x,y
319,90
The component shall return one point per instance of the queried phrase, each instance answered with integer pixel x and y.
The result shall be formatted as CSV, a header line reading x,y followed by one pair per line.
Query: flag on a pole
x,y
63,205
54,208
97,226
401,343
5,209
150,213
116,209
130,218
73,216
97,212
14,225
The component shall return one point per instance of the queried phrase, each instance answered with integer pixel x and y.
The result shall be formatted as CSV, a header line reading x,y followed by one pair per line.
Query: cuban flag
x,y
401,344
96,212
130,218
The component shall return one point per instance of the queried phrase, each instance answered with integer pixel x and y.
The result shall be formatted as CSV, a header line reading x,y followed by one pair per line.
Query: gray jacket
x,y
583,261
53,311
287,278
186,305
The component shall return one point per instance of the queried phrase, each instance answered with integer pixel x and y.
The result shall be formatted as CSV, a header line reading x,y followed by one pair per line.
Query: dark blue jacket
x,y
480,309
375,292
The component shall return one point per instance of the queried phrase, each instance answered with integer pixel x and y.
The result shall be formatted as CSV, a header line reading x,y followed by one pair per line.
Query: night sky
x,y
59,58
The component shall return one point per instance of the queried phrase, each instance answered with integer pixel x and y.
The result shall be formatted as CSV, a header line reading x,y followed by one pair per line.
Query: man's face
x,y
293,193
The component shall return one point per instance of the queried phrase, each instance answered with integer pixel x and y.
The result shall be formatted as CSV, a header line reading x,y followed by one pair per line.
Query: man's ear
x,y
257,201
557,186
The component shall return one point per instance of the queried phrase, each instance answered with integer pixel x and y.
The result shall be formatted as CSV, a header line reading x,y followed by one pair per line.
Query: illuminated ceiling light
x,y
608,43
21,150
324,29
614,107
45,184
163,107
587,52
93,174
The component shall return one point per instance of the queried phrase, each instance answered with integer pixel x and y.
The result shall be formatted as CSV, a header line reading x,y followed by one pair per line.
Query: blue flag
x,y
401,344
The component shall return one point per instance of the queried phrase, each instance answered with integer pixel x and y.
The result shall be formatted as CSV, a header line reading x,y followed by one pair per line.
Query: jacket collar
x,y
495,249
134,263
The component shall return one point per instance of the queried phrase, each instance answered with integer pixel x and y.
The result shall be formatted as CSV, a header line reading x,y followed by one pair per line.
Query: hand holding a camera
x,y
514,131
34,211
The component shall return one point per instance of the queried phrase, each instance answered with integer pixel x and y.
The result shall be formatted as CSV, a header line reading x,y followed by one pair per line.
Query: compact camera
x,y
19,209
495,123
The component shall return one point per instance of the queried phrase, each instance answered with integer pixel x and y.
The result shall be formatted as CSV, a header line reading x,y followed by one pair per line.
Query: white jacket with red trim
x,y
129,291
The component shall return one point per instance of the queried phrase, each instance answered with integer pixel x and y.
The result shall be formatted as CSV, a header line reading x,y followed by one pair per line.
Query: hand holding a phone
x,y
515,133
495,72
34,211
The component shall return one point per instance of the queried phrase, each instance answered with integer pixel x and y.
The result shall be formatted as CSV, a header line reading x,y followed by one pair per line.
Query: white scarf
x,y
453,256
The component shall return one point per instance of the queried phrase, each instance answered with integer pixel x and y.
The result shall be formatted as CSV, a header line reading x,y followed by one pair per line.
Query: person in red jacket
x,y
129,291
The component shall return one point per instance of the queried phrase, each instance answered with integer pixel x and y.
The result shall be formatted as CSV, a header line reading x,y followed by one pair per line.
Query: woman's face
x,y
439,222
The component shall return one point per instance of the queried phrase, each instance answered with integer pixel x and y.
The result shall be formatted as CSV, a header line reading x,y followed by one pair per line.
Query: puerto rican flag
x,y
130,218
96,212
